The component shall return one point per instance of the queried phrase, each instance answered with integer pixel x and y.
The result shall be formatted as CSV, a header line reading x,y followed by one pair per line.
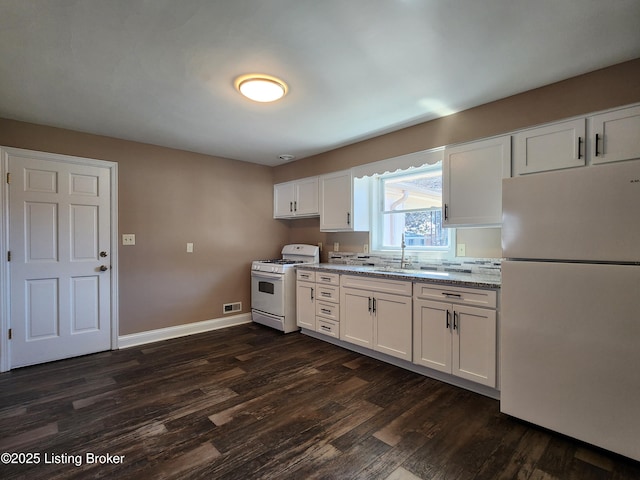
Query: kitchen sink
x,y
410,272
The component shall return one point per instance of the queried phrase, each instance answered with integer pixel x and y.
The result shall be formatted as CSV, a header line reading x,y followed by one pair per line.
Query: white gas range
x,y
273,287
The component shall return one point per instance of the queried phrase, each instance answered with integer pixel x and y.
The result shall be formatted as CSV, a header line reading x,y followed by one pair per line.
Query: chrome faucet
x,y
402,245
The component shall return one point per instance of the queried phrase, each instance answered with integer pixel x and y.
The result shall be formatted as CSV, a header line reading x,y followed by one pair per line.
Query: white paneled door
x,y
60,264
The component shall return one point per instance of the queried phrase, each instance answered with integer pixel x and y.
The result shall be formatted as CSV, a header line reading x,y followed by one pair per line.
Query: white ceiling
x,y
162,71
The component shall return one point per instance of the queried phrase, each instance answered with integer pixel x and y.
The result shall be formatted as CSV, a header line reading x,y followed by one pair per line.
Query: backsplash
x,y
486,266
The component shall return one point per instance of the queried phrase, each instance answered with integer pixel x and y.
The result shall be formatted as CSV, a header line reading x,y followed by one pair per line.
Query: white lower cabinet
x,y
376,314
450,329
318,302
306,304
456,338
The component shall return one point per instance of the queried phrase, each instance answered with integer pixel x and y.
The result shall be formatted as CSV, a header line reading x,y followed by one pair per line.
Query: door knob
x,y
103,254
103,268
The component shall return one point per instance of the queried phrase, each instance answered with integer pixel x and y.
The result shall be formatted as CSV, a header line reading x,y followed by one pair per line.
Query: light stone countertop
x,y
461,279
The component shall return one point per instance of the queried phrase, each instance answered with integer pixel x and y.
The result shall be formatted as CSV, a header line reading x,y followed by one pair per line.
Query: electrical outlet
x,y
365,249
128,239
461,250
336,246
189,247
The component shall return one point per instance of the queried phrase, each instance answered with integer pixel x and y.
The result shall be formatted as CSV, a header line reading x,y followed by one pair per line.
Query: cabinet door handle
x,y
446,211
291,206
348,218
579,147
456,325
312,294
597,138
369,304
295,206
374,305
448,319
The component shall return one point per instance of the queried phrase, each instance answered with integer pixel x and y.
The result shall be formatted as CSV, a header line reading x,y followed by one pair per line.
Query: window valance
x,y
403,162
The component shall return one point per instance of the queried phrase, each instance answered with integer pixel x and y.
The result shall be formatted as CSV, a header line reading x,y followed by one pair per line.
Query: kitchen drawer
x,y
328,327
396,287
328,278
328,310
306,275
461,295
328,293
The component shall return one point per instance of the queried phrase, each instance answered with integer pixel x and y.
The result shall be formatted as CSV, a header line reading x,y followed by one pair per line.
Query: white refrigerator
x,y
570,331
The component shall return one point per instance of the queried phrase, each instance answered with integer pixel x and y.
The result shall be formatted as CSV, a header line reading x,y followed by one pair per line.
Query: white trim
x,y
150,336
403,162
4,265
5,364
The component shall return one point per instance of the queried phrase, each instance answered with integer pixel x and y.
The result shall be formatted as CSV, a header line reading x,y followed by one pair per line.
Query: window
x,y
410,203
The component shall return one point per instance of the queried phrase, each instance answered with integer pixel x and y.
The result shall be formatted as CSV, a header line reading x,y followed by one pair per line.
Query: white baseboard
x,y
134,339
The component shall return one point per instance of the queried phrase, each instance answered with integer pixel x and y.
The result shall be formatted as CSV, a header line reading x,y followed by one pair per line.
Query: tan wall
x,y
607,88
168,198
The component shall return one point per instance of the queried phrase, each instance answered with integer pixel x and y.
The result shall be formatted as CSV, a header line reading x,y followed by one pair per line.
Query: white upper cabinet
x,y
550,147
472,182
615,136
344,203
296,199
606,137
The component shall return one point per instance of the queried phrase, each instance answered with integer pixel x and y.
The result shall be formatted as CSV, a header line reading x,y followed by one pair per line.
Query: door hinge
x,y
8,177
10,333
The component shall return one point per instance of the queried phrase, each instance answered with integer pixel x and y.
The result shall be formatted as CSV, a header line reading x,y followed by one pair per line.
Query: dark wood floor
x,y
248,402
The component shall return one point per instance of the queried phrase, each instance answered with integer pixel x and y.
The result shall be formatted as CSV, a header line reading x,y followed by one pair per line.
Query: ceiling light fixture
x,y
261,88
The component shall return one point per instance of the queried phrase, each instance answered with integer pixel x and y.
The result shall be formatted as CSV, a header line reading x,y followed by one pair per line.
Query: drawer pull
x,y
324,310
324,327
448,294
325,294
325,279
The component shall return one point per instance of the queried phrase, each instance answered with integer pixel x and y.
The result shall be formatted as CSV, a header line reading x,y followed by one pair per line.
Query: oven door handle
x,y
270,276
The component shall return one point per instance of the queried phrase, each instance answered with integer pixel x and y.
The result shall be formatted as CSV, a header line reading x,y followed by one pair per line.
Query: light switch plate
x,y
461,251
128,239
189,247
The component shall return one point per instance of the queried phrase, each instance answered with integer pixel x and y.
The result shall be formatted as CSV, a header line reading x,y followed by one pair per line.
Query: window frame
x,y
378,212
